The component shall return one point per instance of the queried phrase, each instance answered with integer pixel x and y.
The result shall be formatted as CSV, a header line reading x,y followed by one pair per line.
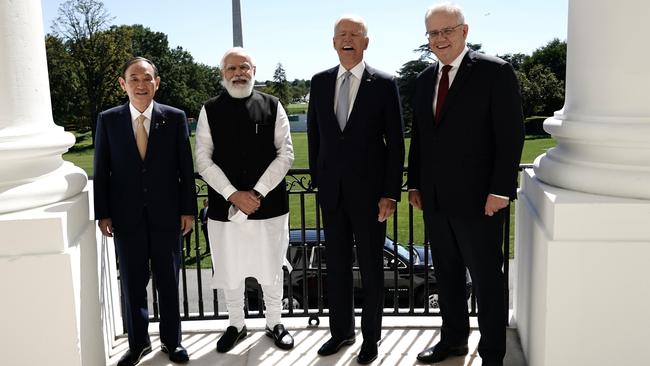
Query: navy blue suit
x,y
473,151
352,170
145,200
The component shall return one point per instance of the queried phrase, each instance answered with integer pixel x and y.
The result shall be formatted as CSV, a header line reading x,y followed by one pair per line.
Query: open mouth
x,y
442,47
348,48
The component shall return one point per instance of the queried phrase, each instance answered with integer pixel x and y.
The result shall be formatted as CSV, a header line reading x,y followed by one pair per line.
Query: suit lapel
x,y
464,71
126,126
429,90
328,95
157,120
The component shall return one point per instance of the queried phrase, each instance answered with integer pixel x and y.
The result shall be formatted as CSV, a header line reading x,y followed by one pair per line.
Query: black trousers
x,y
344,225
140,253
475,243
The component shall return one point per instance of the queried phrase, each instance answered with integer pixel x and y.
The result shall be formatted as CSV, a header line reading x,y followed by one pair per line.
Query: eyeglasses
x,y
445,32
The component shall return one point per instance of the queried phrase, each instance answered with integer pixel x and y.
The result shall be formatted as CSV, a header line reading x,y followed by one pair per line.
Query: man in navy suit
x,y
144,199
356,156
465,148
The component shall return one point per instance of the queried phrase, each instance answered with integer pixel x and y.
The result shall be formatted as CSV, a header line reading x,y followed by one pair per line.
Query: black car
x,y
309,259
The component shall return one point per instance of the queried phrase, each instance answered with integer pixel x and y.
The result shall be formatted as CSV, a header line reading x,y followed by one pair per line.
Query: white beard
x,y
238,91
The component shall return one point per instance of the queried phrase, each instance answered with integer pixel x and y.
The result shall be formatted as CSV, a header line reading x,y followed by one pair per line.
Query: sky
x,y
298,34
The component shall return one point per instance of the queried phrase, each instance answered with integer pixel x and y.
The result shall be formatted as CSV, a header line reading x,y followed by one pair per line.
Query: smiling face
x,y
350,41
140,84
237,74
446,48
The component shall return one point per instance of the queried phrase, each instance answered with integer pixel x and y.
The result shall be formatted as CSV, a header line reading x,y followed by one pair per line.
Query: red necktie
x,y
443,88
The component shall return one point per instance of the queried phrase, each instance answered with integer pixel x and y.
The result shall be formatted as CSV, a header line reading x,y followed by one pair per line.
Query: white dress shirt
x,y
452,74
355,81
136,113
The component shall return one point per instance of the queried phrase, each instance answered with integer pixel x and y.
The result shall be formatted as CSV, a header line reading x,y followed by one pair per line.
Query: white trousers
x,y
272,295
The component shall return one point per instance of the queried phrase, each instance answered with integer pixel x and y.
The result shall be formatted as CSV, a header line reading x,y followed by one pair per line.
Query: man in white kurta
x,y
248,225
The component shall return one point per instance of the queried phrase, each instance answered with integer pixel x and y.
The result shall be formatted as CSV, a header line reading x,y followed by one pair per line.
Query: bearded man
x,y
244,151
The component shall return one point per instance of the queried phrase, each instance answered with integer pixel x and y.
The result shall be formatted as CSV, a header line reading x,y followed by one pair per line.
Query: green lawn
x,y
82,155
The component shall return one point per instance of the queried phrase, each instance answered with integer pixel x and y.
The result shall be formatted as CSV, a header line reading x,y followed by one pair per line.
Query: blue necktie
x,y
343,103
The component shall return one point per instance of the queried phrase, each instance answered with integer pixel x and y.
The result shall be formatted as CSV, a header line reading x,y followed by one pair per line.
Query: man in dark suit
x,y
356,154
466,144
144,198
203,216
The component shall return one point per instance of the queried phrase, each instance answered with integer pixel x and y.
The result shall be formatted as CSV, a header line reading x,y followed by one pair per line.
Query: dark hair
x,y
133,60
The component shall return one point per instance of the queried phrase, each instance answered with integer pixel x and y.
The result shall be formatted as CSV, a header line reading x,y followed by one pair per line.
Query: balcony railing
x,y
409,275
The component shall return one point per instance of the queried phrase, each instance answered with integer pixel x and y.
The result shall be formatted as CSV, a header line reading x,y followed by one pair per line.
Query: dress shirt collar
x,y
456,63
357,70
135,113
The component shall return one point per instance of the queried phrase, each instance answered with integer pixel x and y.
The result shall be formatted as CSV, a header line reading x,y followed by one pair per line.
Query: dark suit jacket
x,y
475,148
367,157
163,183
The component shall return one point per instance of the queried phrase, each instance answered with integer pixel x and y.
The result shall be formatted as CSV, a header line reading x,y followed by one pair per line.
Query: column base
x,y
49,285
583,263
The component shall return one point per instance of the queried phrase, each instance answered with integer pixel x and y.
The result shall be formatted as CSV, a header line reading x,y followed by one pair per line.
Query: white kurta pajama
x,y
252,248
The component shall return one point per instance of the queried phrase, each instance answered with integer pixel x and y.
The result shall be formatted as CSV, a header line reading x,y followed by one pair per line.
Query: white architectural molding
x,y
582,239
582,268
32,171
603,131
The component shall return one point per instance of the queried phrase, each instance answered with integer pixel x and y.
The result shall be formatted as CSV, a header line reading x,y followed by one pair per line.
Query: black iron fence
x,y
409,276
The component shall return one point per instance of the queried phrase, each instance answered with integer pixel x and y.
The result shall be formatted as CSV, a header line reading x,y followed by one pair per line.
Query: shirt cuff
x,y
228,191
499,196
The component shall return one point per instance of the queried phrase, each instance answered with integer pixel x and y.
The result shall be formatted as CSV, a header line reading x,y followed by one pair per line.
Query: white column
x,y
32,172
603,131
50,310
582,251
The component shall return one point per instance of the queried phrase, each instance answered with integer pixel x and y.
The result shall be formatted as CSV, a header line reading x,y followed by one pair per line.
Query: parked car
x,y
308,259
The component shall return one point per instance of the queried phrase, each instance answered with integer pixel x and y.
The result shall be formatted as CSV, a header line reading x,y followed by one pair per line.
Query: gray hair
x,y
446,7
354,18
238,50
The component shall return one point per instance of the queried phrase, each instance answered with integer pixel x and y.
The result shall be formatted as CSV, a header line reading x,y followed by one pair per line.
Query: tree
x,y
406,84
64,85
542,92
280,86
515,59
552,56
80,23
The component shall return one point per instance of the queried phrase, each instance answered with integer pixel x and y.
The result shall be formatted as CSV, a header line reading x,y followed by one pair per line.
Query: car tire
x,y
297,303
431,299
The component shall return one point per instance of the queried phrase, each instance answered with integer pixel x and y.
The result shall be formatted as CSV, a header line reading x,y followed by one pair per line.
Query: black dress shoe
x,y
441,351
368,353
333,345
280,336
132,358
492,363
230,338
179,355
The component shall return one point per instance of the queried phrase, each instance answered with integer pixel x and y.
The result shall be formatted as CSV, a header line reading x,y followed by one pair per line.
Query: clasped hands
x,y
246,201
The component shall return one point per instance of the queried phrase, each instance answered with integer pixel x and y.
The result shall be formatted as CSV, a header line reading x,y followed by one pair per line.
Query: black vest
x,y
243,131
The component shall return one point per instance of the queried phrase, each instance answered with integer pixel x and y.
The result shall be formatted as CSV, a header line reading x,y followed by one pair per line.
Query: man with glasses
x,y
465,148
356,154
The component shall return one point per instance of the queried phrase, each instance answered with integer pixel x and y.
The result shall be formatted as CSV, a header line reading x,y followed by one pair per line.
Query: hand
x,y
106,226
415,199
245,201
494,204
386,208
187,221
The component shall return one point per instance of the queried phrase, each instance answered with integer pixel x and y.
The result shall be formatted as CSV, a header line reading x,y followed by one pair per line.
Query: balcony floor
x,y
402,339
